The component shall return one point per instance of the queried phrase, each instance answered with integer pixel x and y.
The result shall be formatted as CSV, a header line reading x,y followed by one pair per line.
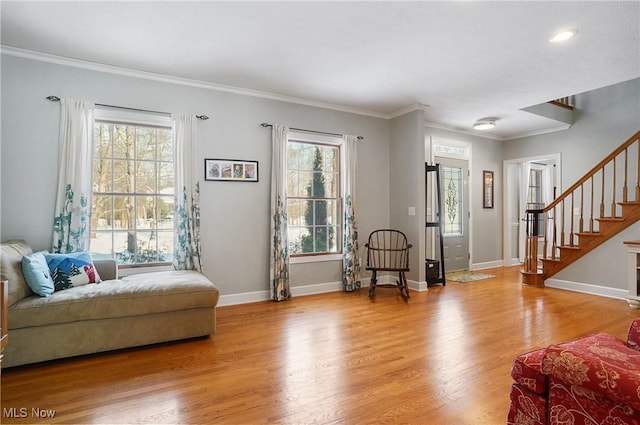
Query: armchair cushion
x,y
633,335
599,363
527,371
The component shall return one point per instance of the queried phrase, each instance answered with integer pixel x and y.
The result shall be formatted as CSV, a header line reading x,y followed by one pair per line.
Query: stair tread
x,y
574,248
610,219
588,233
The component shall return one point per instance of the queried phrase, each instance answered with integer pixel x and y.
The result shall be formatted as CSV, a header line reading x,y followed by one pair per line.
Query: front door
x,y
454,180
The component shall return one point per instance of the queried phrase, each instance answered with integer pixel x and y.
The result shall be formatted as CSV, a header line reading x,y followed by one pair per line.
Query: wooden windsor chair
x,y
388,250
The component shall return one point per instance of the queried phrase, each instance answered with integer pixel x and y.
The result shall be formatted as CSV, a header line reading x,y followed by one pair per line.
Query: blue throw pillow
x,y
36,273
69,270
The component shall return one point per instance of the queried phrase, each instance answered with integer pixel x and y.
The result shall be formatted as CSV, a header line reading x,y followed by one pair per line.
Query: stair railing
x,y
574,212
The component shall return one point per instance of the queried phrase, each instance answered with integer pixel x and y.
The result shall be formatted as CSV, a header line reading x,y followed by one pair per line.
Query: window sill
x,y
128,271
315,258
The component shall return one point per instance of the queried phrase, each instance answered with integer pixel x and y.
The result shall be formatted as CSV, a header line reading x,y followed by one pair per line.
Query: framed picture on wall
x,y
487,189
238,170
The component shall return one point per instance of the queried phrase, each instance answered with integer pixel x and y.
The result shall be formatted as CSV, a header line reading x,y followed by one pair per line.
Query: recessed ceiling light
x,y
563,35
484,124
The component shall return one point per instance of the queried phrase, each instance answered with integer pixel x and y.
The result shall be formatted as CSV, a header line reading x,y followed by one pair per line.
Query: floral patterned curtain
x,y
72,217
350,257
279,261
186,245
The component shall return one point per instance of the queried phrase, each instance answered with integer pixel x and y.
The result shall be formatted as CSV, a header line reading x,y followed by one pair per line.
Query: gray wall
x,y
605,118
407,183
234,222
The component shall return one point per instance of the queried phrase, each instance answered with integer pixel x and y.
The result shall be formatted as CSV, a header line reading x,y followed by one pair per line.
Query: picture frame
x,y
487,189
235,170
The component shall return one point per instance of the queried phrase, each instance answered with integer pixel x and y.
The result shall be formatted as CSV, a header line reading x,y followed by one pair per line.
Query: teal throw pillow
x,y
70,270
37,274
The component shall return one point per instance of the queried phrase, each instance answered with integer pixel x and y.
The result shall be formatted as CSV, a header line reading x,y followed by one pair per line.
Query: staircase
x,y
601,204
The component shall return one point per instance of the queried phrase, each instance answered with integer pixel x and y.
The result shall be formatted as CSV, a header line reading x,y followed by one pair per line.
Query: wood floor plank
x,y
442,358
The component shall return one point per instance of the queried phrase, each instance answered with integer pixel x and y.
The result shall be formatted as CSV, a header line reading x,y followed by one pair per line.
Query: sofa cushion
x,y
527,371
71,270
11,269
145,293
36,273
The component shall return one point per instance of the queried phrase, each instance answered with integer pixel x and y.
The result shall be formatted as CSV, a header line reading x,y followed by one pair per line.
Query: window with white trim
x,y
314,199
133,189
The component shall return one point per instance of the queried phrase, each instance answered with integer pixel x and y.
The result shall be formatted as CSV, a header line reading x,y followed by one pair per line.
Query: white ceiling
x,y
460,60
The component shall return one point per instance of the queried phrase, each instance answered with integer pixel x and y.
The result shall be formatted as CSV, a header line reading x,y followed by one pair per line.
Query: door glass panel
x,y
452,220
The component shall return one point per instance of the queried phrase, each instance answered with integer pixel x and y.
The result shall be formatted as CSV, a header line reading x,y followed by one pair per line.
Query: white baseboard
x,y
487,265
300,291
585,288
244,298
320,288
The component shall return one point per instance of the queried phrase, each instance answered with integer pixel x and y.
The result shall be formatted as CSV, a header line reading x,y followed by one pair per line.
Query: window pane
x,y
292,184
165,245
305,179
165,178
452,178
333,212
102,141
101,247
306,239
145,212
102,175
165,144
320,212
146,177
165,212
124,247
293,154
318,190
146,143
305,161
123,176
334,240
101,216
146,248
332,185
123,137
294,212
295,239
123,212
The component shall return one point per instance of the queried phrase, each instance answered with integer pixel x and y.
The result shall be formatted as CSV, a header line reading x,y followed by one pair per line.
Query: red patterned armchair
x,y
594,380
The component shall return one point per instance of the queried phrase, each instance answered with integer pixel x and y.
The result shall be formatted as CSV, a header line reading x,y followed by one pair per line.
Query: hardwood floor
x,y
442,358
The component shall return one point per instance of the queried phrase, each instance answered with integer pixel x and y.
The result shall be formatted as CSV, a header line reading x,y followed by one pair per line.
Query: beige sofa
x,y
136,310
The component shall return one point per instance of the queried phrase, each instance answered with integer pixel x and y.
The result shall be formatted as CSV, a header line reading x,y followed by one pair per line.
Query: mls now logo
x,y
23,412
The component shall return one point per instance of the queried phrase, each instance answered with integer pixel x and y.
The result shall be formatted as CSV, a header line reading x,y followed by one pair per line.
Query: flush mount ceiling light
x,y
563,35
485,124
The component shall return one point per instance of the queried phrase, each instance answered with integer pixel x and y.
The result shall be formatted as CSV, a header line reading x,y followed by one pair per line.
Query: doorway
x,y
532,180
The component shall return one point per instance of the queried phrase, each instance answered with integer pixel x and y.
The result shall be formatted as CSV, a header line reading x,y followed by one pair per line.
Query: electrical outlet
x,y
412,210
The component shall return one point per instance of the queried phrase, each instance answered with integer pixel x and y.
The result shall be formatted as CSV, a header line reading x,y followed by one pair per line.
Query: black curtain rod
x,y
264,124
200,117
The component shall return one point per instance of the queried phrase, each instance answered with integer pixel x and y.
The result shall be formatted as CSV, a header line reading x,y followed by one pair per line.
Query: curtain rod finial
x,y
53,98
202,117
264,124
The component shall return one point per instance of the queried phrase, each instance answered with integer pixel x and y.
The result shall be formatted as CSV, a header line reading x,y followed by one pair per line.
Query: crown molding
x,y
441,126
170,79
407,109
561,127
